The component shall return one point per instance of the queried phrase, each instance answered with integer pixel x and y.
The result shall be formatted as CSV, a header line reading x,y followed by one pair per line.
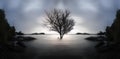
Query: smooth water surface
x,y
51,45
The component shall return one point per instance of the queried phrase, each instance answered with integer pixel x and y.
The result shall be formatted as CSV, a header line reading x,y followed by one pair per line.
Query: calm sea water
x,y
50,45
53,40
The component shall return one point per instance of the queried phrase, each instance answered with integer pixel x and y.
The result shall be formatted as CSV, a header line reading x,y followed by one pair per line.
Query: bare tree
x,y
59,21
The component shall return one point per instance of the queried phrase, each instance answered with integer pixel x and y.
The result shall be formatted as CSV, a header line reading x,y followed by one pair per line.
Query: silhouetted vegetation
x,y
38,34
110,41
113,32
82,33
78,33
59,21
9,42
7,32
19,33
108,34
42,33
101,33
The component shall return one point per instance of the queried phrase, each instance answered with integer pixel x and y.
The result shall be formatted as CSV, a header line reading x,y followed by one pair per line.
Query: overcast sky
x,y
90,15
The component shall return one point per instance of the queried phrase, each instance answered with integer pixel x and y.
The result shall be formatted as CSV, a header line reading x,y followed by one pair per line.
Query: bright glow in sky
x,y
90,15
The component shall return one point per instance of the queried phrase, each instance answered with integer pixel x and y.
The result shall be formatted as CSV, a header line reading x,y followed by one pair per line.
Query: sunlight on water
x,y
52,45
49,40
54,39
67,40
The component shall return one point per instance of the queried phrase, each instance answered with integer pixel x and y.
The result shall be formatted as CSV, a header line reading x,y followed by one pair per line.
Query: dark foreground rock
x,y
103,45
23,38
97,38
15,47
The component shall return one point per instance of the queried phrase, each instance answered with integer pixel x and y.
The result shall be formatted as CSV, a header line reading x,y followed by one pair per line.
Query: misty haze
x,y
59,29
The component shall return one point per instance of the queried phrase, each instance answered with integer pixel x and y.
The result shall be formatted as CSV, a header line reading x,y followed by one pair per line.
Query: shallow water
x,y
50,45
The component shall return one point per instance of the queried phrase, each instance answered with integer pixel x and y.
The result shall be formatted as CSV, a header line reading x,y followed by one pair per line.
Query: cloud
x,y
97,14
90,15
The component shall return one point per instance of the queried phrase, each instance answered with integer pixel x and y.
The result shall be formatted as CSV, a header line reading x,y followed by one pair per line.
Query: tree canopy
x,y
59,21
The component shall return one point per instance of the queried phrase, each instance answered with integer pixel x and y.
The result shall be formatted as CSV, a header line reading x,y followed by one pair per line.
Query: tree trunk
x,y
61,36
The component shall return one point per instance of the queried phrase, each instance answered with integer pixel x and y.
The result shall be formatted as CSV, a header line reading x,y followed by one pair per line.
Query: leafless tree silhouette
x,y
59,21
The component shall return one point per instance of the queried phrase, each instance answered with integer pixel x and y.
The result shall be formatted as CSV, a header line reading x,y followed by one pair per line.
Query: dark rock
x,y
23,38
98,38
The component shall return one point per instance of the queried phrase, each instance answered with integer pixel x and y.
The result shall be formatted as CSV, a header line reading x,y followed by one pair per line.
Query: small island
x,y
82,33
38,33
